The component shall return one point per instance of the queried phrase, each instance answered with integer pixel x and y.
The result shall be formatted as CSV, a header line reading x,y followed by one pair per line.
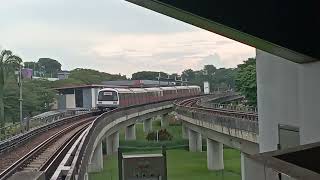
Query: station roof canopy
x,y
289,29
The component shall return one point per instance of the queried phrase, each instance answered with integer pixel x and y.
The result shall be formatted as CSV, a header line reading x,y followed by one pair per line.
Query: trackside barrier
x,y
39,120
23,137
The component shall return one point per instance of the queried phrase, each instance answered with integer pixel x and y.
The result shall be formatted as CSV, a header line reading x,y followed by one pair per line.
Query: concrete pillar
x,y
104,145
199,142
86,176
185,132
214,155
164,120
252,170
109,144
96,163
147,125
112,143
195,141
115,141
130,133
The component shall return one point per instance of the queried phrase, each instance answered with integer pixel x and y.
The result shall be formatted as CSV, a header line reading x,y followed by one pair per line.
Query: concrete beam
x,y
252,170
130,133
147,125
195,141
96,163
214,155
237,143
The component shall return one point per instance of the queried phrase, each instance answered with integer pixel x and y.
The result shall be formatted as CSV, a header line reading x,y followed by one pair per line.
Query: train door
x,y
79,97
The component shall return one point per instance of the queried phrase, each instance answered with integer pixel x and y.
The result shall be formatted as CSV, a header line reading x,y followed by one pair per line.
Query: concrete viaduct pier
x,y
219,128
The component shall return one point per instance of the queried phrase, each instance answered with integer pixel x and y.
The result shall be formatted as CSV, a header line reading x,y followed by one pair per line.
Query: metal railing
x,y
21,138
232,120
218,103
242,108
12,130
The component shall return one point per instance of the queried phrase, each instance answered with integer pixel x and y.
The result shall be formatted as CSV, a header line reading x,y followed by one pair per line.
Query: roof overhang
x,y
283,28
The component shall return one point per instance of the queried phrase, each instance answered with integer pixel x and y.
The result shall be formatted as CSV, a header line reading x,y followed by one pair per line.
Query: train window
x,y
107,96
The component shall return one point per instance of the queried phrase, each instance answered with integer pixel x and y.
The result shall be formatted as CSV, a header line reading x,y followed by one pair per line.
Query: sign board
x,y
106,93
142,166
206,87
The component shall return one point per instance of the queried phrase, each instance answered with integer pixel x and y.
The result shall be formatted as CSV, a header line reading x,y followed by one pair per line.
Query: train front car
x,y
108,98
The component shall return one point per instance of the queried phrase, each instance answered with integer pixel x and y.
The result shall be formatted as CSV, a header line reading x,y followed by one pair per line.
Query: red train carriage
x,y
121,97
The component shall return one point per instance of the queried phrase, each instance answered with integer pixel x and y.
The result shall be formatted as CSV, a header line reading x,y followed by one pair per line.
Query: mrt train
x,y
111,98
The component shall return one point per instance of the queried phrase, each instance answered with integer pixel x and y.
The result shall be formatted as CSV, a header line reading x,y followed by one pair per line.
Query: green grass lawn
x,y
182,164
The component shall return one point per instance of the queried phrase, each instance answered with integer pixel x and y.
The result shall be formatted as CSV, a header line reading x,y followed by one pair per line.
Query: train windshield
x,y
108,96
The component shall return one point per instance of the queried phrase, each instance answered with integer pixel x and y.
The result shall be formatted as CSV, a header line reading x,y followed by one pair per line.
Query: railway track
x,y
193,104
45,156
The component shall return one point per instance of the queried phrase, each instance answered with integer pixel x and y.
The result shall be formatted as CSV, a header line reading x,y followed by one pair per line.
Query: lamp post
x,y
20,97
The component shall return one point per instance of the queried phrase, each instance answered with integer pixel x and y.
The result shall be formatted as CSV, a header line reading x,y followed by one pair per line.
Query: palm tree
x,y
8,64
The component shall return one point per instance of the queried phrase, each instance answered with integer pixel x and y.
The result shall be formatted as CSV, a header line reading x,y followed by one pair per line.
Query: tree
x,y
8,63
188,74
37,98
148,75
209,69
246,80
37,70
51,66
90,76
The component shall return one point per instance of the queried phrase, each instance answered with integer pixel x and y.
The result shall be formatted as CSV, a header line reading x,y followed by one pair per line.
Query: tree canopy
x,y
147,75
82,76
50,66
8,64
45,67
246,80
37,98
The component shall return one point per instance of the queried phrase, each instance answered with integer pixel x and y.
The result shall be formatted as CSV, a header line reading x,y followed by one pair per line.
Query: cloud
x,y
174,52
112,36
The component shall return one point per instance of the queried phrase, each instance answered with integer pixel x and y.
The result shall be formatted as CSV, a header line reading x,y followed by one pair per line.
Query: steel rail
x,y
185,104
22,162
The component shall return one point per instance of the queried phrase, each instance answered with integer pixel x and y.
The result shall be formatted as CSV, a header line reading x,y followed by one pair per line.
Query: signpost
x,y
206,87
142,166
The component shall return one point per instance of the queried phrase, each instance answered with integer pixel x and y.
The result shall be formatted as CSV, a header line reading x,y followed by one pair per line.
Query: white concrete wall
x,y
94,97
288,93
310,102
70,101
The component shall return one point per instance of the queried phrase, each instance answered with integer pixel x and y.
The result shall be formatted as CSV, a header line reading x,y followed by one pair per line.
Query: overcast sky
x,y
112,36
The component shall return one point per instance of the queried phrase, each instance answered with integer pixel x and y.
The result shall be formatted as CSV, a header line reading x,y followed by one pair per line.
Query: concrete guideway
x,y
220,127
106,127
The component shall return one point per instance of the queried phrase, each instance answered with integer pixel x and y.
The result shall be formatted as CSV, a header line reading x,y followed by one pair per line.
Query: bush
x,y
157,123
163,134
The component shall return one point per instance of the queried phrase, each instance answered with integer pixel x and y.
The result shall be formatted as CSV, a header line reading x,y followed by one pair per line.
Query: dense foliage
x,y
45,67
8,64
246,80
81,76
37,98
147,75
163,135
221,79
